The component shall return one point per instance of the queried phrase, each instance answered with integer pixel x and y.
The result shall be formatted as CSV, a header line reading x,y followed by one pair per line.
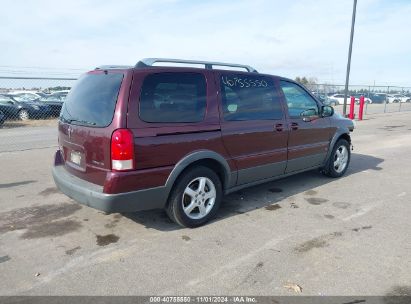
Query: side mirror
x,y
327,111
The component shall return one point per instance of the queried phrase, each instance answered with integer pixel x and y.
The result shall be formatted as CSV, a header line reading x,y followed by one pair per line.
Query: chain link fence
x,y
378,99
28,101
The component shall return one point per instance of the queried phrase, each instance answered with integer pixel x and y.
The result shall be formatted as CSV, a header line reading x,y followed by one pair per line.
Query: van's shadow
x,y
262,195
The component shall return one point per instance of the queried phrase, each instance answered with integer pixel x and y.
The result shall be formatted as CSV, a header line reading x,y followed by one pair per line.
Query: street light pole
x,y
347,78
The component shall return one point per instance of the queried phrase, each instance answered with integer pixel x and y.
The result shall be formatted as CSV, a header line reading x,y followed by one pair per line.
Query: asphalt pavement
x,y
27,138
347,236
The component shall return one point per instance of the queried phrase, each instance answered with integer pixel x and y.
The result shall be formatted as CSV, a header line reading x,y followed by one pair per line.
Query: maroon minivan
x,y
179,138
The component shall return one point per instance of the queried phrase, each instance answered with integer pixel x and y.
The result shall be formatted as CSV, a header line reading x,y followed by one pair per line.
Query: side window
x,y
173,98
298,100
247,97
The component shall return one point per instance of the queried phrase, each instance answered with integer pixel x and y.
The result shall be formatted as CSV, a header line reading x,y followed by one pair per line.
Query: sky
x,y
287,38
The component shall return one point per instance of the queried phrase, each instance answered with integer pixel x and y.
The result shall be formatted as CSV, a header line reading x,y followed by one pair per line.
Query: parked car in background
x,y
23,110
28,96
401,98
42,94
55,102
378,97
391,98
154,137
2,118
358,96
339,98
60,94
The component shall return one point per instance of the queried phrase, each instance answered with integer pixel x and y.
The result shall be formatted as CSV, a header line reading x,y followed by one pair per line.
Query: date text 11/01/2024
x,y
203,299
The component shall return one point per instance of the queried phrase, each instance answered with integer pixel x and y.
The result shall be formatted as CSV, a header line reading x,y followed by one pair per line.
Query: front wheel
x,y
24,115
339,159
195,198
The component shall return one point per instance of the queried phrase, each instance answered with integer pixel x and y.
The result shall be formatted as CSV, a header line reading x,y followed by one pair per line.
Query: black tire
x,y
176,200
24,115
330,168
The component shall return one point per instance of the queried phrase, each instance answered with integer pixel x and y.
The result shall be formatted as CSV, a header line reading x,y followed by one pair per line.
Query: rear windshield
x,y
92,100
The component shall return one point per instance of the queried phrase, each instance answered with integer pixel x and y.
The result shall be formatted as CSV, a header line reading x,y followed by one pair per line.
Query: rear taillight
x,y
122,150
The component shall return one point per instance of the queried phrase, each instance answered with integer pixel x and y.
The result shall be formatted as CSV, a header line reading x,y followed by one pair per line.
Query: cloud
x,y
308,37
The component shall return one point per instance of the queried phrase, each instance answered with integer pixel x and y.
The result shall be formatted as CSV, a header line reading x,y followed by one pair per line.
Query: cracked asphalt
x,y
347,236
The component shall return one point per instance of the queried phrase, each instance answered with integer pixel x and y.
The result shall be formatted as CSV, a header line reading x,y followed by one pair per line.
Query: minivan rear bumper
x,y
92,195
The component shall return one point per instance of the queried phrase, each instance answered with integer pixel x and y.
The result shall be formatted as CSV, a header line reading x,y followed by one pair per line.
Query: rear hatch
x,y
94,108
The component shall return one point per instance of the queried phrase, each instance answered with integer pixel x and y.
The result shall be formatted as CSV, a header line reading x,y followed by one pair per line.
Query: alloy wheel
x,y
340,159
199,198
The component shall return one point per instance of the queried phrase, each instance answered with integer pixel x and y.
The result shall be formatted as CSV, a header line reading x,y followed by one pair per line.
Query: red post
x,y
361,108
351,116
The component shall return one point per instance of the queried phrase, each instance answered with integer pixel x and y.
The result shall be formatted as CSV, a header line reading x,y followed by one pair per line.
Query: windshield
x,y
92,100
5,99
52,98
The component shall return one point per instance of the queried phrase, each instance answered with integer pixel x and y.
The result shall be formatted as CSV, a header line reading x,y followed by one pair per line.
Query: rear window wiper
x,y
85,122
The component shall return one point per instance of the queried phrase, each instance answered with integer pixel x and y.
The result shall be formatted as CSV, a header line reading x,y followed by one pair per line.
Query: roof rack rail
x,y
110,67
148,62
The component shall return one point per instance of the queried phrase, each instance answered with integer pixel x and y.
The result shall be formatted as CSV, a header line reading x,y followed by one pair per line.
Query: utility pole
x,y
347,78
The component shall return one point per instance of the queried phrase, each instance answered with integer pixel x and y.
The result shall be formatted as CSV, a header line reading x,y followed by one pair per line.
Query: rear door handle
x,y
279,127
294,126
